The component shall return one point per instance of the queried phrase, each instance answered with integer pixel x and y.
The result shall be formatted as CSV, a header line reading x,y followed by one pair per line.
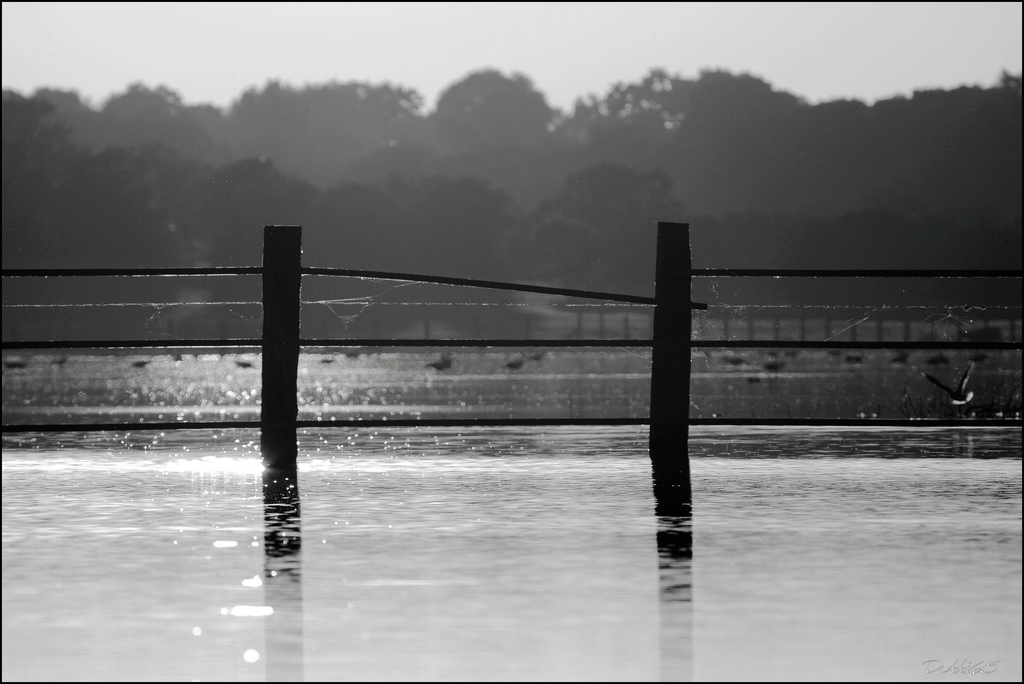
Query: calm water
x,y
528,554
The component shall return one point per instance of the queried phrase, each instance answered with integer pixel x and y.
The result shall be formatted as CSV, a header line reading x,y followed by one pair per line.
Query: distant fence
x,y
671,343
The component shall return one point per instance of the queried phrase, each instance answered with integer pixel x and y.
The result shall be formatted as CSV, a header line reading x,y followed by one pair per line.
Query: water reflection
x,y
282,571
528,554
675,594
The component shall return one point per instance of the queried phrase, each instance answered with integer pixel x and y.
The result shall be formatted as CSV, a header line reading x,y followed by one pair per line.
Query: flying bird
x,y
959,396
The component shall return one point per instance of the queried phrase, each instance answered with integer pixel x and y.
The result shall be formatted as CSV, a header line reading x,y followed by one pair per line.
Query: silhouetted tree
x,y
408,191
487,108
243,197
317,132
632,122
144,116
346,223
447,226
611,212
114,210
38,159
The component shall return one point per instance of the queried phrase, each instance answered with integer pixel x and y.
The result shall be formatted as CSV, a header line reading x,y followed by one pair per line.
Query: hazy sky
x,y
212,51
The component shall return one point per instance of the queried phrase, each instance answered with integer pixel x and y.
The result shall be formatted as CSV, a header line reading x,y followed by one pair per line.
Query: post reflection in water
x,y
282,570
675,594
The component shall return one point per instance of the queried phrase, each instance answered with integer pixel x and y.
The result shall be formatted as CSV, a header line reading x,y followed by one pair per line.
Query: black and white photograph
x,y
512,341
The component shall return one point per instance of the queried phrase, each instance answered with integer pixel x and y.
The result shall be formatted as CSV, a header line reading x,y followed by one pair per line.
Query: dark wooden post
x,y
282,260
670,371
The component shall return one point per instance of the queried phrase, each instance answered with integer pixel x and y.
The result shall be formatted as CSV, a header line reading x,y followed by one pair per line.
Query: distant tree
x,y
117,210
731,151
429,225
83,123
38,159
563,250
317,132
447,226
346,224
600,229
631,122
527,173
720,136
146,116
241,198
487,108
730,144
394,161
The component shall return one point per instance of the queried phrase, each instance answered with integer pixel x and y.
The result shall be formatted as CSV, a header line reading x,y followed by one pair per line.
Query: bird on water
x,y
960,395
442,363
516,362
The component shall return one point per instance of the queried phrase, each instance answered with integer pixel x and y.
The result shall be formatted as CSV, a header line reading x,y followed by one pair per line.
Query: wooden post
x,y
670,371
282,259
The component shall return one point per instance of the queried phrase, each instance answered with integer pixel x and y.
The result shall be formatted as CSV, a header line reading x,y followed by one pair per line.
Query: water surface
x,y
528,554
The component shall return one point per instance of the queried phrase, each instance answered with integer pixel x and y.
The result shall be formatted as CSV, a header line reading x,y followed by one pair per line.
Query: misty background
x,y
495,183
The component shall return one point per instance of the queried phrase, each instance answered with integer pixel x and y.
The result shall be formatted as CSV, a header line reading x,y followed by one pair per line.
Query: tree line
x,y
495,183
